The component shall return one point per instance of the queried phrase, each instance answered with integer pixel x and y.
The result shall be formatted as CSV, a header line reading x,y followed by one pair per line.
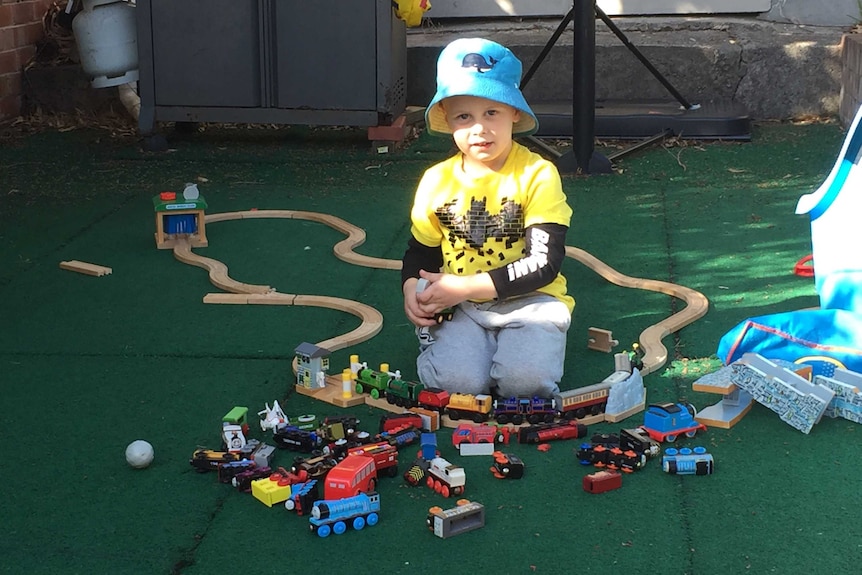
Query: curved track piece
x,y
217,270
343,250
372,320
650,339
243,293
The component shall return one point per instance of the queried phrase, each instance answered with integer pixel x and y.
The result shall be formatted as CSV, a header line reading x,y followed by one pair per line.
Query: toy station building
x,y
180,216
312,364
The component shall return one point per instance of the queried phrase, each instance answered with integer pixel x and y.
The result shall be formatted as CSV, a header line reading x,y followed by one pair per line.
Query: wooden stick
x,y
85,268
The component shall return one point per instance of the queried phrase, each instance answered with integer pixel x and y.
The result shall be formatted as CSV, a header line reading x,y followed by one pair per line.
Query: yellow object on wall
x,y
411,11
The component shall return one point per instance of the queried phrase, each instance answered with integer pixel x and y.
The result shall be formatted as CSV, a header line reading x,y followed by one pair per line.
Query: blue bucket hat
x,y
482,68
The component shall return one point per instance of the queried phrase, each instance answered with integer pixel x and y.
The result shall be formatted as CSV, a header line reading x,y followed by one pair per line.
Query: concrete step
x,y
773,70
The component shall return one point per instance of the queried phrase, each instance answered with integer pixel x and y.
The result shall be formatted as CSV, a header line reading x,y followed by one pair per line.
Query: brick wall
x,y
20,30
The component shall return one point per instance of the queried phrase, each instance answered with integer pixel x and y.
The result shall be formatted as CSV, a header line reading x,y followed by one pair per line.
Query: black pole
x,y
584,95
584,84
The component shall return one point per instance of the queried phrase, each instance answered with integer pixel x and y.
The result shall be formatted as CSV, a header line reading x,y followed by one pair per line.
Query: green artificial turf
x,y
89,364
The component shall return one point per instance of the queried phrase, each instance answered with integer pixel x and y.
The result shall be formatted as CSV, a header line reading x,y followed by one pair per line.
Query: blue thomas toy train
x,y
667,421
335,515
687,461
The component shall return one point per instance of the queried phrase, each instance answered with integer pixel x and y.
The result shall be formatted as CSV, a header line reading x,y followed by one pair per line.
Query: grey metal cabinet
x,y
340,62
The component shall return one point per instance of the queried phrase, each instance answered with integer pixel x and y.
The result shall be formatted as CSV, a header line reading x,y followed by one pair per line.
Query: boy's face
x,y
482,130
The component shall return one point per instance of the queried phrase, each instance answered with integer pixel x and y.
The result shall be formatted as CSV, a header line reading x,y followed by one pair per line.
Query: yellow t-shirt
x,y
479,222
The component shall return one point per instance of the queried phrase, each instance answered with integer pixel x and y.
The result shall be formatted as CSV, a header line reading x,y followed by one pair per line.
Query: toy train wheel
x,y
453,414
480,418
670,438
339,527
502,419
430,482
458,491
391,399
517,420
290,505
323,531
438,486
358,523
359,389
375,393
444,491
691,433
372,519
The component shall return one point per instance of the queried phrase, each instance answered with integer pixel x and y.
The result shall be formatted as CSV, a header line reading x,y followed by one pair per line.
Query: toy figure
x,y
271,417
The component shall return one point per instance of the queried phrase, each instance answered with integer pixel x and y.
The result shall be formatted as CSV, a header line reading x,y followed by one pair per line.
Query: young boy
x,y
488,235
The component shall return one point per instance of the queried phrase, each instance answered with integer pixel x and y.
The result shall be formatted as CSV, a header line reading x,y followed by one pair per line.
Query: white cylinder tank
x,y
107,39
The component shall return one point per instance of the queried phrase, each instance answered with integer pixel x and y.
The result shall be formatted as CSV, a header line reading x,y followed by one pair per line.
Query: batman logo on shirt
x,y
477,225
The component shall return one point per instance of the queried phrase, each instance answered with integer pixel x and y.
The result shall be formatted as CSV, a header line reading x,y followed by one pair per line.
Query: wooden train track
x,y
372,320
655,353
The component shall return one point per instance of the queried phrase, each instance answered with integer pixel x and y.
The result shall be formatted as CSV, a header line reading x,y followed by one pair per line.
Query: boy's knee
x,y
518,381
452,380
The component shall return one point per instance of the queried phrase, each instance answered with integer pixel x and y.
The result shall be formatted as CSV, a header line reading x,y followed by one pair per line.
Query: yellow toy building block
x,y
269,491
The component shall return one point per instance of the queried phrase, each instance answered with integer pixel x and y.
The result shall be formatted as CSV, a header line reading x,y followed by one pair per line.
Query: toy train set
x,y
334,478
339,449
575,404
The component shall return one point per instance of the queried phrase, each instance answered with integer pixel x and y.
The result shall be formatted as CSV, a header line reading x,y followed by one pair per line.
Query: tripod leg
x,y
639,55
547,49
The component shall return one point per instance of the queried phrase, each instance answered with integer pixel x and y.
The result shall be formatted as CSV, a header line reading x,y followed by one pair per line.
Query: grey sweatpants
x,y
517,346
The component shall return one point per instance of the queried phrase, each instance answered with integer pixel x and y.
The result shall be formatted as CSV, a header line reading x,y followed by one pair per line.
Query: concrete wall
x,y
851,78
777,71
20,30
815,12
806,12
557,8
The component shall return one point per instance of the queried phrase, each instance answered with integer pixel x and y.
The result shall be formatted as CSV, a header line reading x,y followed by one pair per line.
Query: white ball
x,y
139,454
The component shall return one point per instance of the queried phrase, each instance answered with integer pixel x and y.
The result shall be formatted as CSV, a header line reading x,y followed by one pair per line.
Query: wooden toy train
x,y
565,405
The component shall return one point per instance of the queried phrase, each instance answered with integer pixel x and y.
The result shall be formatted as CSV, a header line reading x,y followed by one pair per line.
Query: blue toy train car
x,y
667,421
336,515
687,461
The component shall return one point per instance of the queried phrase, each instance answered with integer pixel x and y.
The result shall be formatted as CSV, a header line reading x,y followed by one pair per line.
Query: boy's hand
x,y
448,290
412,308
